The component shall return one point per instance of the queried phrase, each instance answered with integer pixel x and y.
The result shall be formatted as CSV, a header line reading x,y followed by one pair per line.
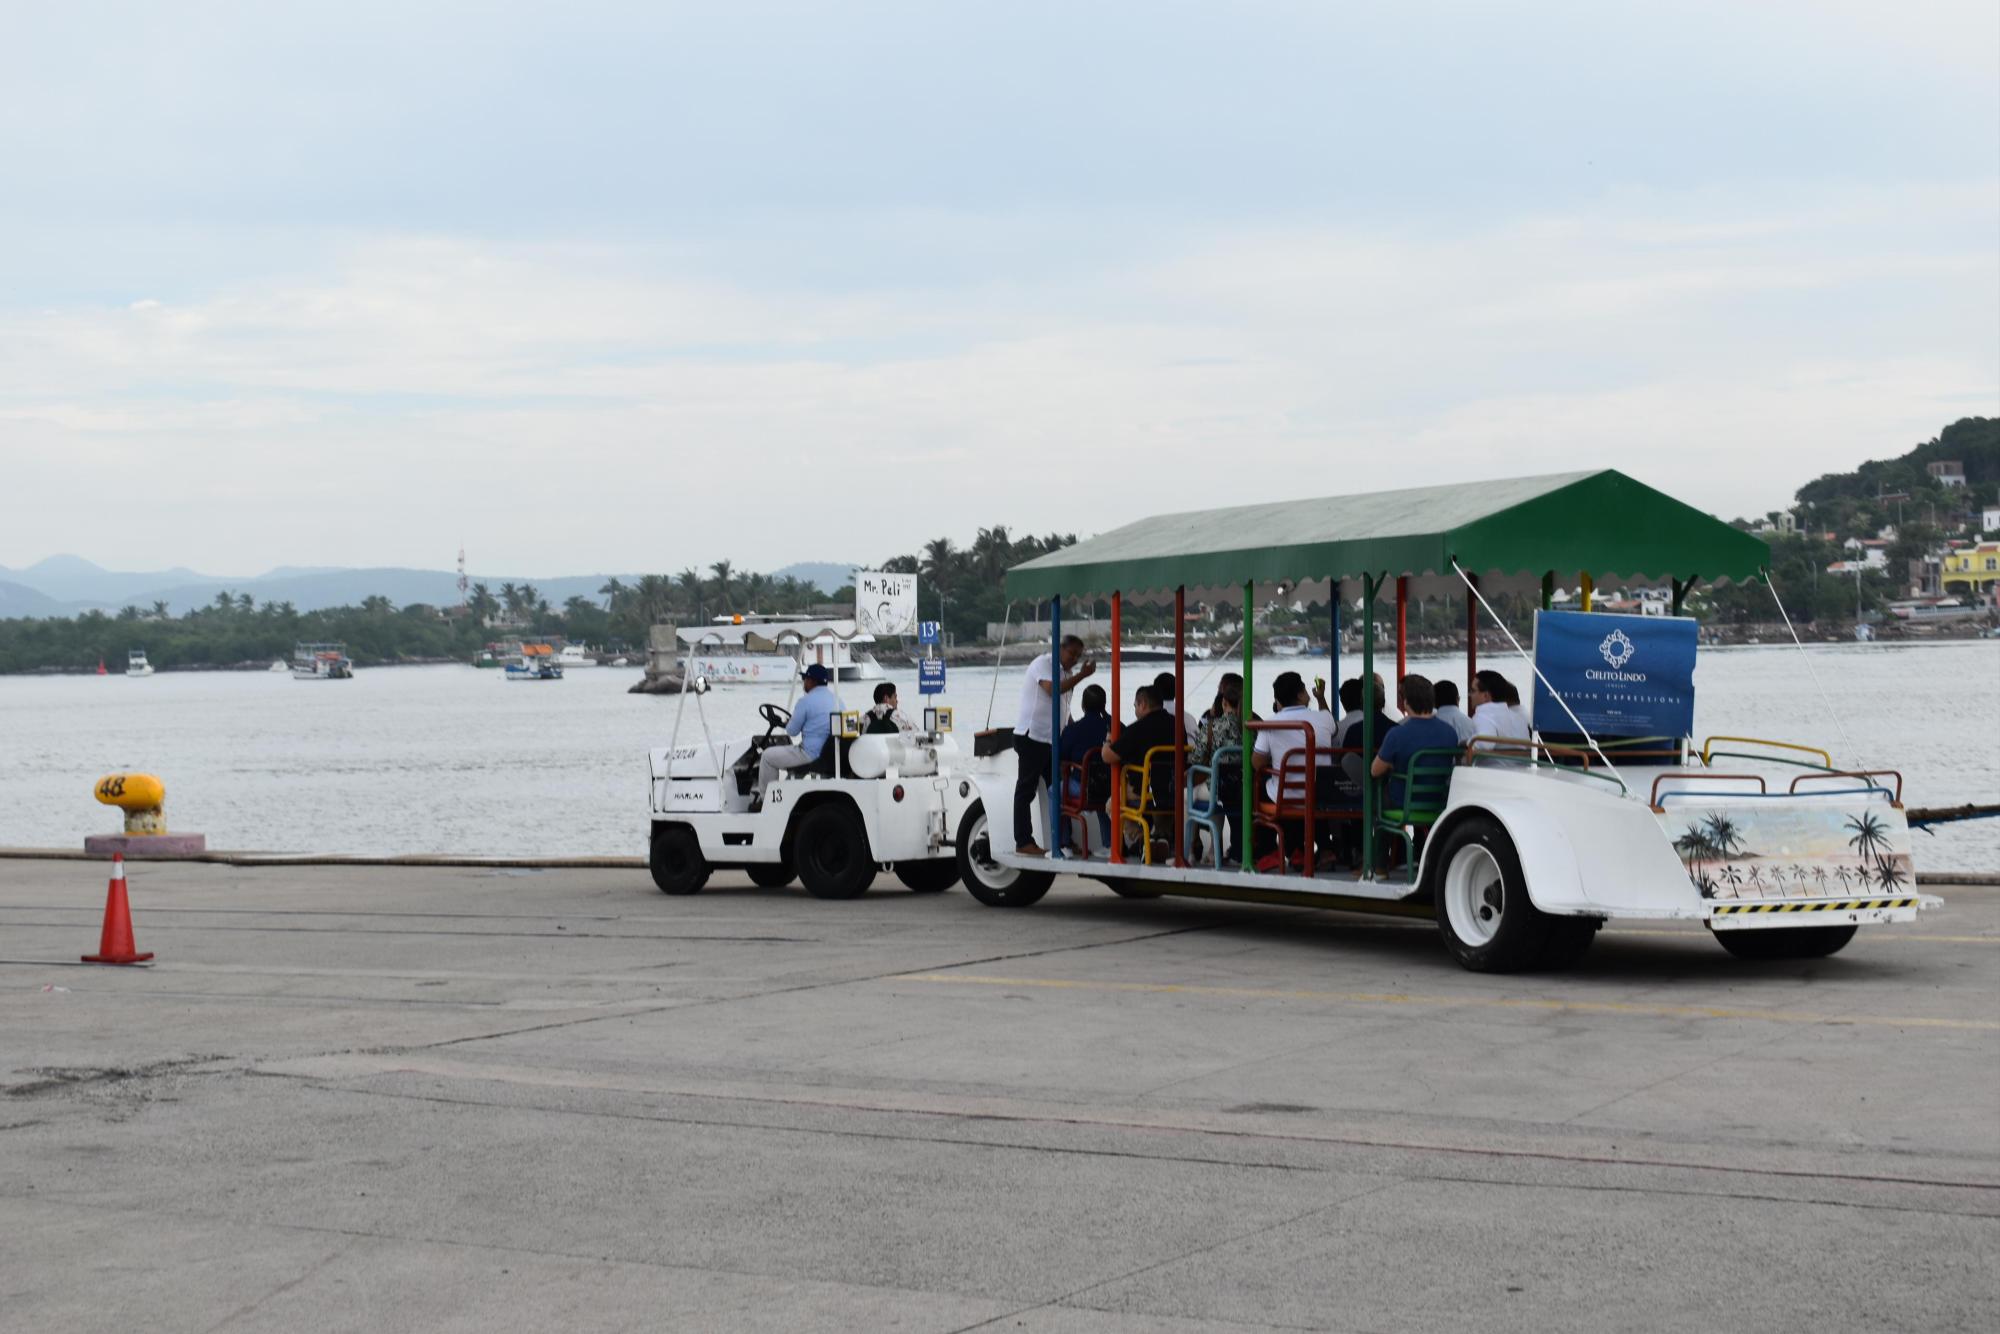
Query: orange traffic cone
x,y
116,945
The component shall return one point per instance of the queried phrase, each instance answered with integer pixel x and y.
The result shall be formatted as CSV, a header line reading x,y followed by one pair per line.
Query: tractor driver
x,y
812,723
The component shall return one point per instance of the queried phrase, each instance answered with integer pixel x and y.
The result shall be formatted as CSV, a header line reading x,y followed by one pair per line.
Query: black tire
x,y
992,884
1483,911
1569,940
770,875
1788,942
1130,889
676,861
830,848
933,875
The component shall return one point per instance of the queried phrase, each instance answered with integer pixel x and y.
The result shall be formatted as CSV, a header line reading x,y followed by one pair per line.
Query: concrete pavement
x,y
496,1099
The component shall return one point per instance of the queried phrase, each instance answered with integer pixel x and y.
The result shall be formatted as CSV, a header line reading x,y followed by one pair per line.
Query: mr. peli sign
x,y
1622,676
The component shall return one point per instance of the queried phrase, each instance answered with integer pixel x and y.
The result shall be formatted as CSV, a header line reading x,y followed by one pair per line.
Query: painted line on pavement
x,y
1493,1002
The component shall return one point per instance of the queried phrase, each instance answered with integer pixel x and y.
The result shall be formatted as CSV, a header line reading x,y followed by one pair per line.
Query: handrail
x,y
1770,759
1654,799
1708,745
1895,799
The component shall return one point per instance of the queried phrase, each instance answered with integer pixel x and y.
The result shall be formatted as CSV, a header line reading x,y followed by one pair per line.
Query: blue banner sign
x,y
927,632
1622,676
930,676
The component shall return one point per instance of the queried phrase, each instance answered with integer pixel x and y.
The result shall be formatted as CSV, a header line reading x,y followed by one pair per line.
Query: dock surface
x,y
496,1099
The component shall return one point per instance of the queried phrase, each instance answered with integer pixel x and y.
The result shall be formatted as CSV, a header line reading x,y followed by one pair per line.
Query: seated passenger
x,y
1151,726
1293,704
1496,712
1349,734
812,723
1448,711
1163,686
1420,730
1085,737
885,716
1222,728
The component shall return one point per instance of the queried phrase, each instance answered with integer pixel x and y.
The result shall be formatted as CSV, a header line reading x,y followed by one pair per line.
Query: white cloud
x,y
631,407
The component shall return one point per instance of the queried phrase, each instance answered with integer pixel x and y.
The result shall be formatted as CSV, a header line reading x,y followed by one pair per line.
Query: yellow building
x,y
1973,569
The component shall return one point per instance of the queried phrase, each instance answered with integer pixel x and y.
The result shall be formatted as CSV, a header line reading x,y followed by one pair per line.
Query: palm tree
x,y
482,602
1733,877
160,611
224,602
1722,835
1870,835
612,591
511,596
531,598
1887,874
128,613
245,602
722,570
691,590
653,595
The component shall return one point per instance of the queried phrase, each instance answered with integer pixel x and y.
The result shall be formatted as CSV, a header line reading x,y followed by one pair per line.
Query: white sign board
x,y
885,603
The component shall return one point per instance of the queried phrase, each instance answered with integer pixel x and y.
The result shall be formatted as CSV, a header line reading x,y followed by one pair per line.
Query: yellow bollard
x,y
140,796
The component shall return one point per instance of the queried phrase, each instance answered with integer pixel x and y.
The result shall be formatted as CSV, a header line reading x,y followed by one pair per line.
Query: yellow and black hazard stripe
x,y
1834,905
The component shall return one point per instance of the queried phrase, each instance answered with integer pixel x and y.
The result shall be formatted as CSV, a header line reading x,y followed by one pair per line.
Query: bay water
x,y
452,759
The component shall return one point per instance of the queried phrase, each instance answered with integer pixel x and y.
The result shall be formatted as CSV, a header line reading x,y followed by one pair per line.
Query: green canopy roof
x,y
1602,522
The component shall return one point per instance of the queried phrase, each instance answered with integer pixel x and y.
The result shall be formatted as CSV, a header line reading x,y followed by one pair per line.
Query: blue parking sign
x,y
927,632
930,676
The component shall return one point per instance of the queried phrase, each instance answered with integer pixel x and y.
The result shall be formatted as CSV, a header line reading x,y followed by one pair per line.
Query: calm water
x,y
450,759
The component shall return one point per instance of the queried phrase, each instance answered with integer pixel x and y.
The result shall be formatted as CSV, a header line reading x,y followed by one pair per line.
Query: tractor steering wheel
x,y
778,719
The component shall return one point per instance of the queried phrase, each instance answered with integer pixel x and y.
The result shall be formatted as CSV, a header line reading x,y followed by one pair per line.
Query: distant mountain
x,y
827,576
20,600
67,585
67,578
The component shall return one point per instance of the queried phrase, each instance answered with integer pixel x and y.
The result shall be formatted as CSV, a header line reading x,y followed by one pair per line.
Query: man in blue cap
x,y
812,723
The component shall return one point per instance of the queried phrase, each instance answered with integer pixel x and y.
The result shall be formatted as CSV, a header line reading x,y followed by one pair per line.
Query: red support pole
x,y
1180,722
1471,632
1117,705
1402,627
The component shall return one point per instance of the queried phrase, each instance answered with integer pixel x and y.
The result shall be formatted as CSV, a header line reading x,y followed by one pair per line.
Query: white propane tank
x,y
877,753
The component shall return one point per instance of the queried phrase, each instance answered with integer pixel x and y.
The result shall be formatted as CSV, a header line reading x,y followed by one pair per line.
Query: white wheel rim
x,y
991,873
1475,895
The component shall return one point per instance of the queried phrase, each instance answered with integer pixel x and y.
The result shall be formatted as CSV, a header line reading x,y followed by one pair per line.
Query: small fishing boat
x,y
321,662
537,663
1288,646
574,655
136,664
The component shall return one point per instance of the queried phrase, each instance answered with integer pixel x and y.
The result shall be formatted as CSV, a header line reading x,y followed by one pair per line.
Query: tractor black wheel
x,y
830,848
676,861
770,875
931,876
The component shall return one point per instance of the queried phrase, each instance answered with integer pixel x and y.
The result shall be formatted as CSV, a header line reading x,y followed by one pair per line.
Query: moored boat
x,y
321,662
537,663
136,664
753,650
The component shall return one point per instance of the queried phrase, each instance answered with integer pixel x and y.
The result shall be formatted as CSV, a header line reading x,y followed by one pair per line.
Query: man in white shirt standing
x,y
1033,734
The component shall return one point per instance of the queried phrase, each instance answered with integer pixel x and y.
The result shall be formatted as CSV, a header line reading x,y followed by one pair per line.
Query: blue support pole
x,y
1055,728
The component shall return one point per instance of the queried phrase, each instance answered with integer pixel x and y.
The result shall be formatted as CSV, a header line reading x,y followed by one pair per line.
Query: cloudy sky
x,y
629,286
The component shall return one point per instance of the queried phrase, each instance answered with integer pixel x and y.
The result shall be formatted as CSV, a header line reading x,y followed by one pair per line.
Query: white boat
x,y
321,662
136,664
573,656
278,665
1288,646
537,662
761,650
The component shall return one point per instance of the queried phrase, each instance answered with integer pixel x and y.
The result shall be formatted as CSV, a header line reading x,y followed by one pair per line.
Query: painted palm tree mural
x,y
1791,851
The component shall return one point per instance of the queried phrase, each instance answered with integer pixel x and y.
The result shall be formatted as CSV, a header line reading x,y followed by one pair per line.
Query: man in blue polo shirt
x,y
1421,729
812,723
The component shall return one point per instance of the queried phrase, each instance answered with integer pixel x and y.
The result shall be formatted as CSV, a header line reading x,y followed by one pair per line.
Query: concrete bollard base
x,y
145,845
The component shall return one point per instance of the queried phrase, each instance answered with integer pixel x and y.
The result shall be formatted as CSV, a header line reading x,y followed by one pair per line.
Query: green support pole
x,y
1548,589
1369,586
1249,774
